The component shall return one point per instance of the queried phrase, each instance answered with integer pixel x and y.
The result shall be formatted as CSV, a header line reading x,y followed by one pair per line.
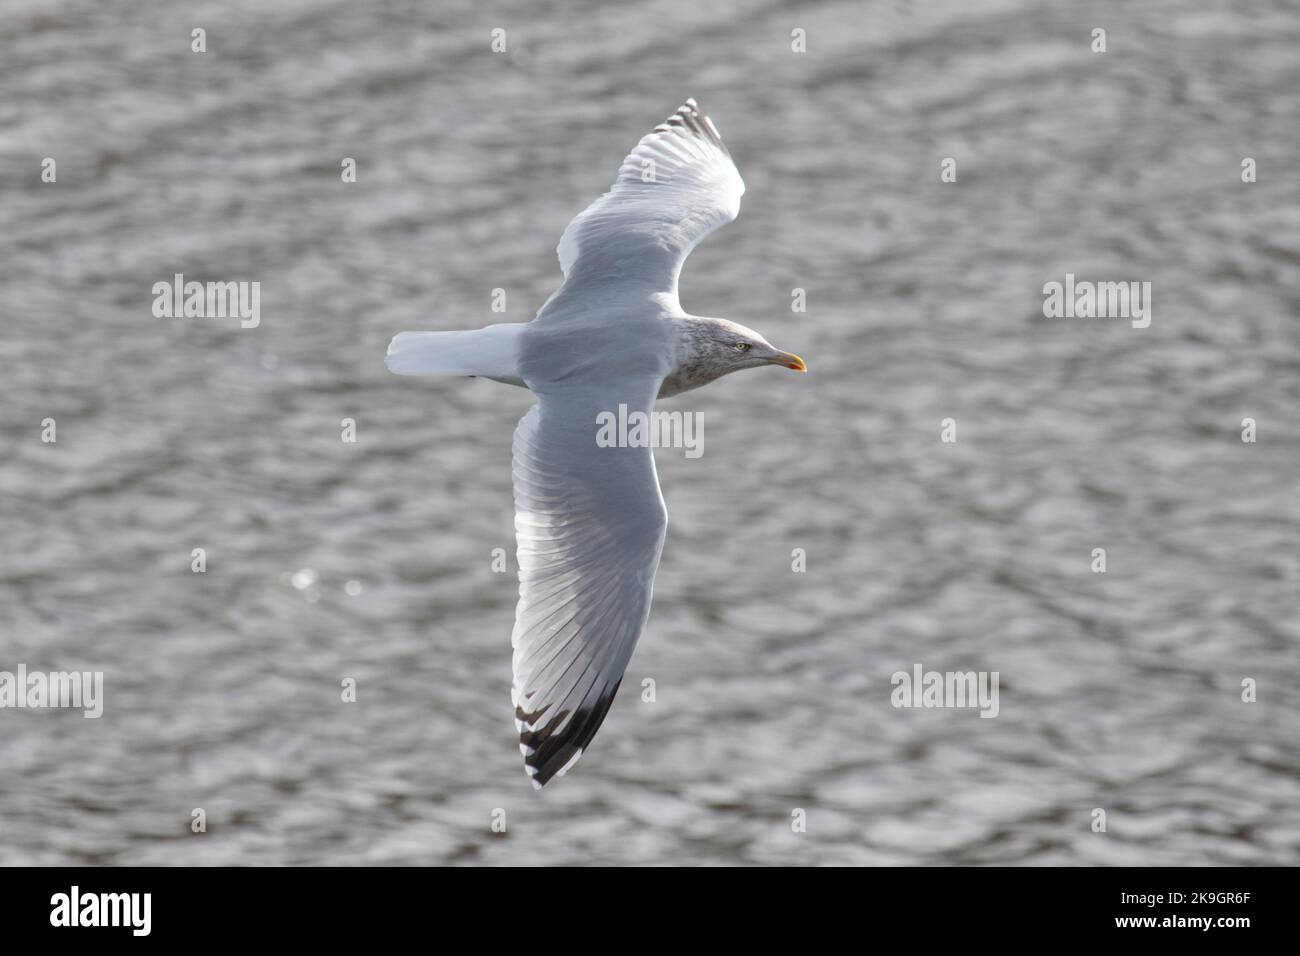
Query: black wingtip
x,y
548,753
691,118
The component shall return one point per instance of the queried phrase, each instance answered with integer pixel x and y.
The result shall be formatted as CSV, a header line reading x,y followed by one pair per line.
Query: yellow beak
x,y
790,360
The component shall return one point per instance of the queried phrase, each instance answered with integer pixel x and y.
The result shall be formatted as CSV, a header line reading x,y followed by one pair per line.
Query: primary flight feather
x,y
590,520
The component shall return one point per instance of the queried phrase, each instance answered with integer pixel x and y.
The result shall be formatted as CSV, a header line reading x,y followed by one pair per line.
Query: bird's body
x,y
590,519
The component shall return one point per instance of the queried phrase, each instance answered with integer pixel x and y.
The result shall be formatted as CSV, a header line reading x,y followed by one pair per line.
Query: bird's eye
x,y
743,346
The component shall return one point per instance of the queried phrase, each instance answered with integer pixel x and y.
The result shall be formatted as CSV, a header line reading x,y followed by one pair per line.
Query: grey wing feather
x,y
676,186
590,525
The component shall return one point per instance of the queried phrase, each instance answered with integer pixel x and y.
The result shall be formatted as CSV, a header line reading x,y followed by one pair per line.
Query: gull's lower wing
x,y
677,186
590,525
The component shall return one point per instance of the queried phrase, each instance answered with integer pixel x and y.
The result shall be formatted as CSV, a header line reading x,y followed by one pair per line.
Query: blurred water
x,y
1119,691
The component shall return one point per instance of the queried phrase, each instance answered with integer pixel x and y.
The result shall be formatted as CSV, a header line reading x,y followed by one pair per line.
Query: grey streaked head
x,y
708,349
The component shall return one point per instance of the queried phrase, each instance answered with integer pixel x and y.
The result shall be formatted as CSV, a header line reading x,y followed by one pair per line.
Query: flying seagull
x,y
590,520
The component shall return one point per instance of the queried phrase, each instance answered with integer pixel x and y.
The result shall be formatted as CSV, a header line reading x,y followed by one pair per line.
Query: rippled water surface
x,y
1119,691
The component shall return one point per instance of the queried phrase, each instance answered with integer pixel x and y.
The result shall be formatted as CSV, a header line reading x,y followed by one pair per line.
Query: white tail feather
x,y
491,352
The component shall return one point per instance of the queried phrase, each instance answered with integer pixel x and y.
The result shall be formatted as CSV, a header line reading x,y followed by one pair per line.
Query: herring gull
x,y
590,520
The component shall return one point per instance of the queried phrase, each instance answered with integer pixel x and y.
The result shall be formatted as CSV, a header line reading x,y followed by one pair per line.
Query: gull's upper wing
x,y
677,186
590,526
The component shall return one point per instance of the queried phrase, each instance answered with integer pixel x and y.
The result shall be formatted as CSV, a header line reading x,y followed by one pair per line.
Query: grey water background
x,y
1119,691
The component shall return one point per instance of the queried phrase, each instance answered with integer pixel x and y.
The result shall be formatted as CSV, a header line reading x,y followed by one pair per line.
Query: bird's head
x,y
730,346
